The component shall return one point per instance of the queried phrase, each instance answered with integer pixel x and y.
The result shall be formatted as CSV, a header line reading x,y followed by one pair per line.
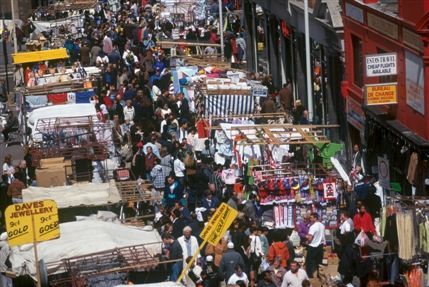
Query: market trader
x,y
316,239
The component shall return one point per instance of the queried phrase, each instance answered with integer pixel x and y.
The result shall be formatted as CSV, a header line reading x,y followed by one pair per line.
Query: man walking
x,y
316,239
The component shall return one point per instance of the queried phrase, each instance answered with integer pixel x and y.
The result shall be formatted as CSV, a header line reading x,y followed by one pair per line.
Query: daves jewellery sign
x,y
381,94
219,224
20,226
381,65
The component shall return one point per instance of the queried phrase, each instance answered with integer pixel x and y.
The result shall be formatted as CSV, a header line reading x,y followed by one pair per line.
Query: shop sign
x,y
355,114
412,39
383,26
354,12
219,224
381,65
383,173
330,190
381,94
31,222
415,85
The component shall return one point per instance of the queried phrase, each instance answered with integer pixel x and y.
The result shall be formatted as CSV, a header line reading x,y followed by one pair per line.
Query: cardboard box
x,y
46,162
49,177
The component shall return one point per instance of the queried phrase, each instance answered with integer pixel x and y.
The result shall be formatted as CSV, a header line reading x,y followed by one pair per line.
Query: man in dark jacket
x,y
228,262
179,222
174,252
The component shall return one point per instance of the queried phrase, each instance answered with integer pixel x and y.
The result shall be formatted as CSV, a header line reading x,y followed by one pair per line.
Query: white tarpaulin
x,y
46,26
75,195
80,238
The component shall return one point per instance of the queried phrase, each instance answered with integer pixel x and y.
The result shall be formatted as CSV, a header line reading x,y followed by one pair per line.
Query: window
x,y
357,61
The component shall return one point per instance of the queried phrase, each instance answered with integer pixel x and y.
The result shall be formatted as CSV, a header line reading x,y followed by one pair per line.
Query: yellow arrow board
x,y
20,226
219,224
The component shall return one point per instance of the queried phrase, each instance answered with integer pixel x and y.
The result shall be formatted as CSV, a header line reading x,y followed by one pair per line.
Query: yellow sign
x,y
382,94
30,222
219,224
39,56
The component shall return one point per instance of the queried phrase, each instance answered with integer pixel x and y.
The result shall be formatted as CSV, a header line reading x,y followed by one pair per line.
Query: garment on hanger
x,y
406,236
412,168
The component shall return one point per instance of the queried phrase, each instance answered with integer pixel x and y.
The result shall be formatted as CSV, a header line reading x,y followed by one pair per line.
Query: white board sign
x,y
381,65
415,85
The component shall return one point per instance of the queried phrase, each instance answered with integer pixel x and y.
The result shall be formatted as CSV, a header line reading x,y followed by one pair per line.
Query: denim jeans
x,y
176,268
393,270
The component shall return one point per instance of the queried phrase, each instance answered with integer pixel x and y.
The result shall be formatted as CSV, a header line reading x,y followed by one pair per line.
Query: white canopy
x,y
75,195
77,239
61,111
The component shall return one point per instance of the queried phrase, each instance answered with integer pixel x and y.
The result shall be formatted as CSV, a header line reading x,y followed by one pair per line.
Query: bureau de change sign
x,y
381,65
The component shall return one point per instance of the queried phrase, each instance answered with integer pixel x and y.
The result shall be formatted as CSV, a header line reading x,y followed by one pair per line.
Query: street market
x,y
154,149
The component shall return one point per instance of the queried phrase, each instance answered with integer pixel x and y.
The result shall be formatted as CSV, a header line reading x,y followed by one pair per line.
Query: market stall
x,y
86,244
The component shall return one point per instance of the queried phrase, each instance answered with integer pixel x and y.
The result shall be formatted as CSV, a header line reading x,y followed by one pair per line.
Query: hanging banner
x,y
19,222
381,65
381,94
330,190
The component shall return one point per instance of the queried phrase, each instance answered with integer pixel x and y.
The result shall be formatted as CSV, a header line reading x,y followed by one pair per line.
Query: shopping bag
x,y
362,239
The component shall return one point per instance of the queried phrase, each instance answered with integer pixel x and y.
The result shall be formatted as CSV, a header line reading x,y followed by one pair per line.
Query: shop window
x,y
357,61
386,79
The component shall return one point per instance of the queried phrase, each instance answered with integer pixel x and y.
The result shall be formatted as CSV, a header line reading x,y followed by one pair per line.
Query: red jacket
x,y
364,223
278,249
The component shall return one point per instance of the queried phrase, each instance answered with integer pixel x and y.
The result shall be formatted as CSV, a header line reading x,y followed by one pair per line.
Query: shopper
x,y
295,276
316,241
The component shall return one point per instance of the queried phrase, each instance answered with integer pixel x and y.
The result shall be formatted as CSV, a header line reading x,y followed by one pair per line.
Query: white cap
x,y
230,245
209,258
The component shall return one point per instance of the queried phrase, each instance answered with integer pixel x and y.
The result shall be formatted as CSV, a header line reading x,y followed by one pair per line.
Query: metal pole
x,y
308,64
222,48
15,41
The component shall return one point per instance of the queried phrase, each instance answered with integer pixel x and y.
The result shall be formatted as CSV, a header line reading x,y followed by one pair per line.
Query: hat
x,y
230,245
209,258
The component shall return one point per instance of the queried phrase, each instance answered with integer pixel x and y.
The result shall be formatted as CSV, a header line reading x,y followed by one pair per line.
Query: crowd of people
x,y
155,133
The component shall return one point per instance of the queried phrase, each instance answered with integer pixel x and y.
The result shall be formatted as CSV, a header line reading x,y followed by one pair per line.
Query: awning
x,y
379,115
39,56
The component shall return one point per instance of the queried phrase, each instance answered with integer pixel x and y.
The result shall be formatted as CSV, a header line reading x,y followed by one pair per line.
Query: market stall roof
x,y
278,134
38,56
80,194
81,238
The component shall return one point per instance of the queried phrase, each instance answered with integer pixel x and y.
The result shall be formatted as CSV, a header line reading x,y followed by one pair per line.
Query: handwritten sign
x,y
19,222
219,224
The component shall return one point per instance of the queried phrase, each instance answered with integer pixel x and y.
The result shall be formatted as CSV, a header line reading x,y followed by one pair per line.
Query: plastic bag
x,y
294,238
362,239
264,265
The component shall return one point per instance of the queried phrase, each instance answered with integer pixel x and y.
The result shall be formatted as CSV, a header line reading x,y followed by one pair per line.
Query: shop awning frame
x,y
39,56
282,134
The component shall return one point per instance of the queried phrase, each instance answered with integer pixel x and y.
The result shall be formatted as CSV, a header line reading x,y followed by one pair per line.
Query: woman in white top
x,y
255,253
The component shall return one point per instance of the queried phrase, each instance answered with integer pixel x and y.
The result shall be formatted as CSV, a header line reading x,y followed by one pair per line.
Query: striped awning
x,y
221,105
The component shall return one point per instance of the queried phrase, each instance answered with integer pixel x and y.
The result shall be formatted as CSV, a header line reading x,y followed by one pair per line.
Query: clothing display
x,y
58,99
406,239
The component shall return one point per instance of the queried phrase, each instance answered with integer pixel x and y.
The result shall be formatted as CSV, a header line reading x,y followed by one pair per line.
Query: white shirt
x,y
234,278
347,226
179,168
294,279
317,230
129,113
